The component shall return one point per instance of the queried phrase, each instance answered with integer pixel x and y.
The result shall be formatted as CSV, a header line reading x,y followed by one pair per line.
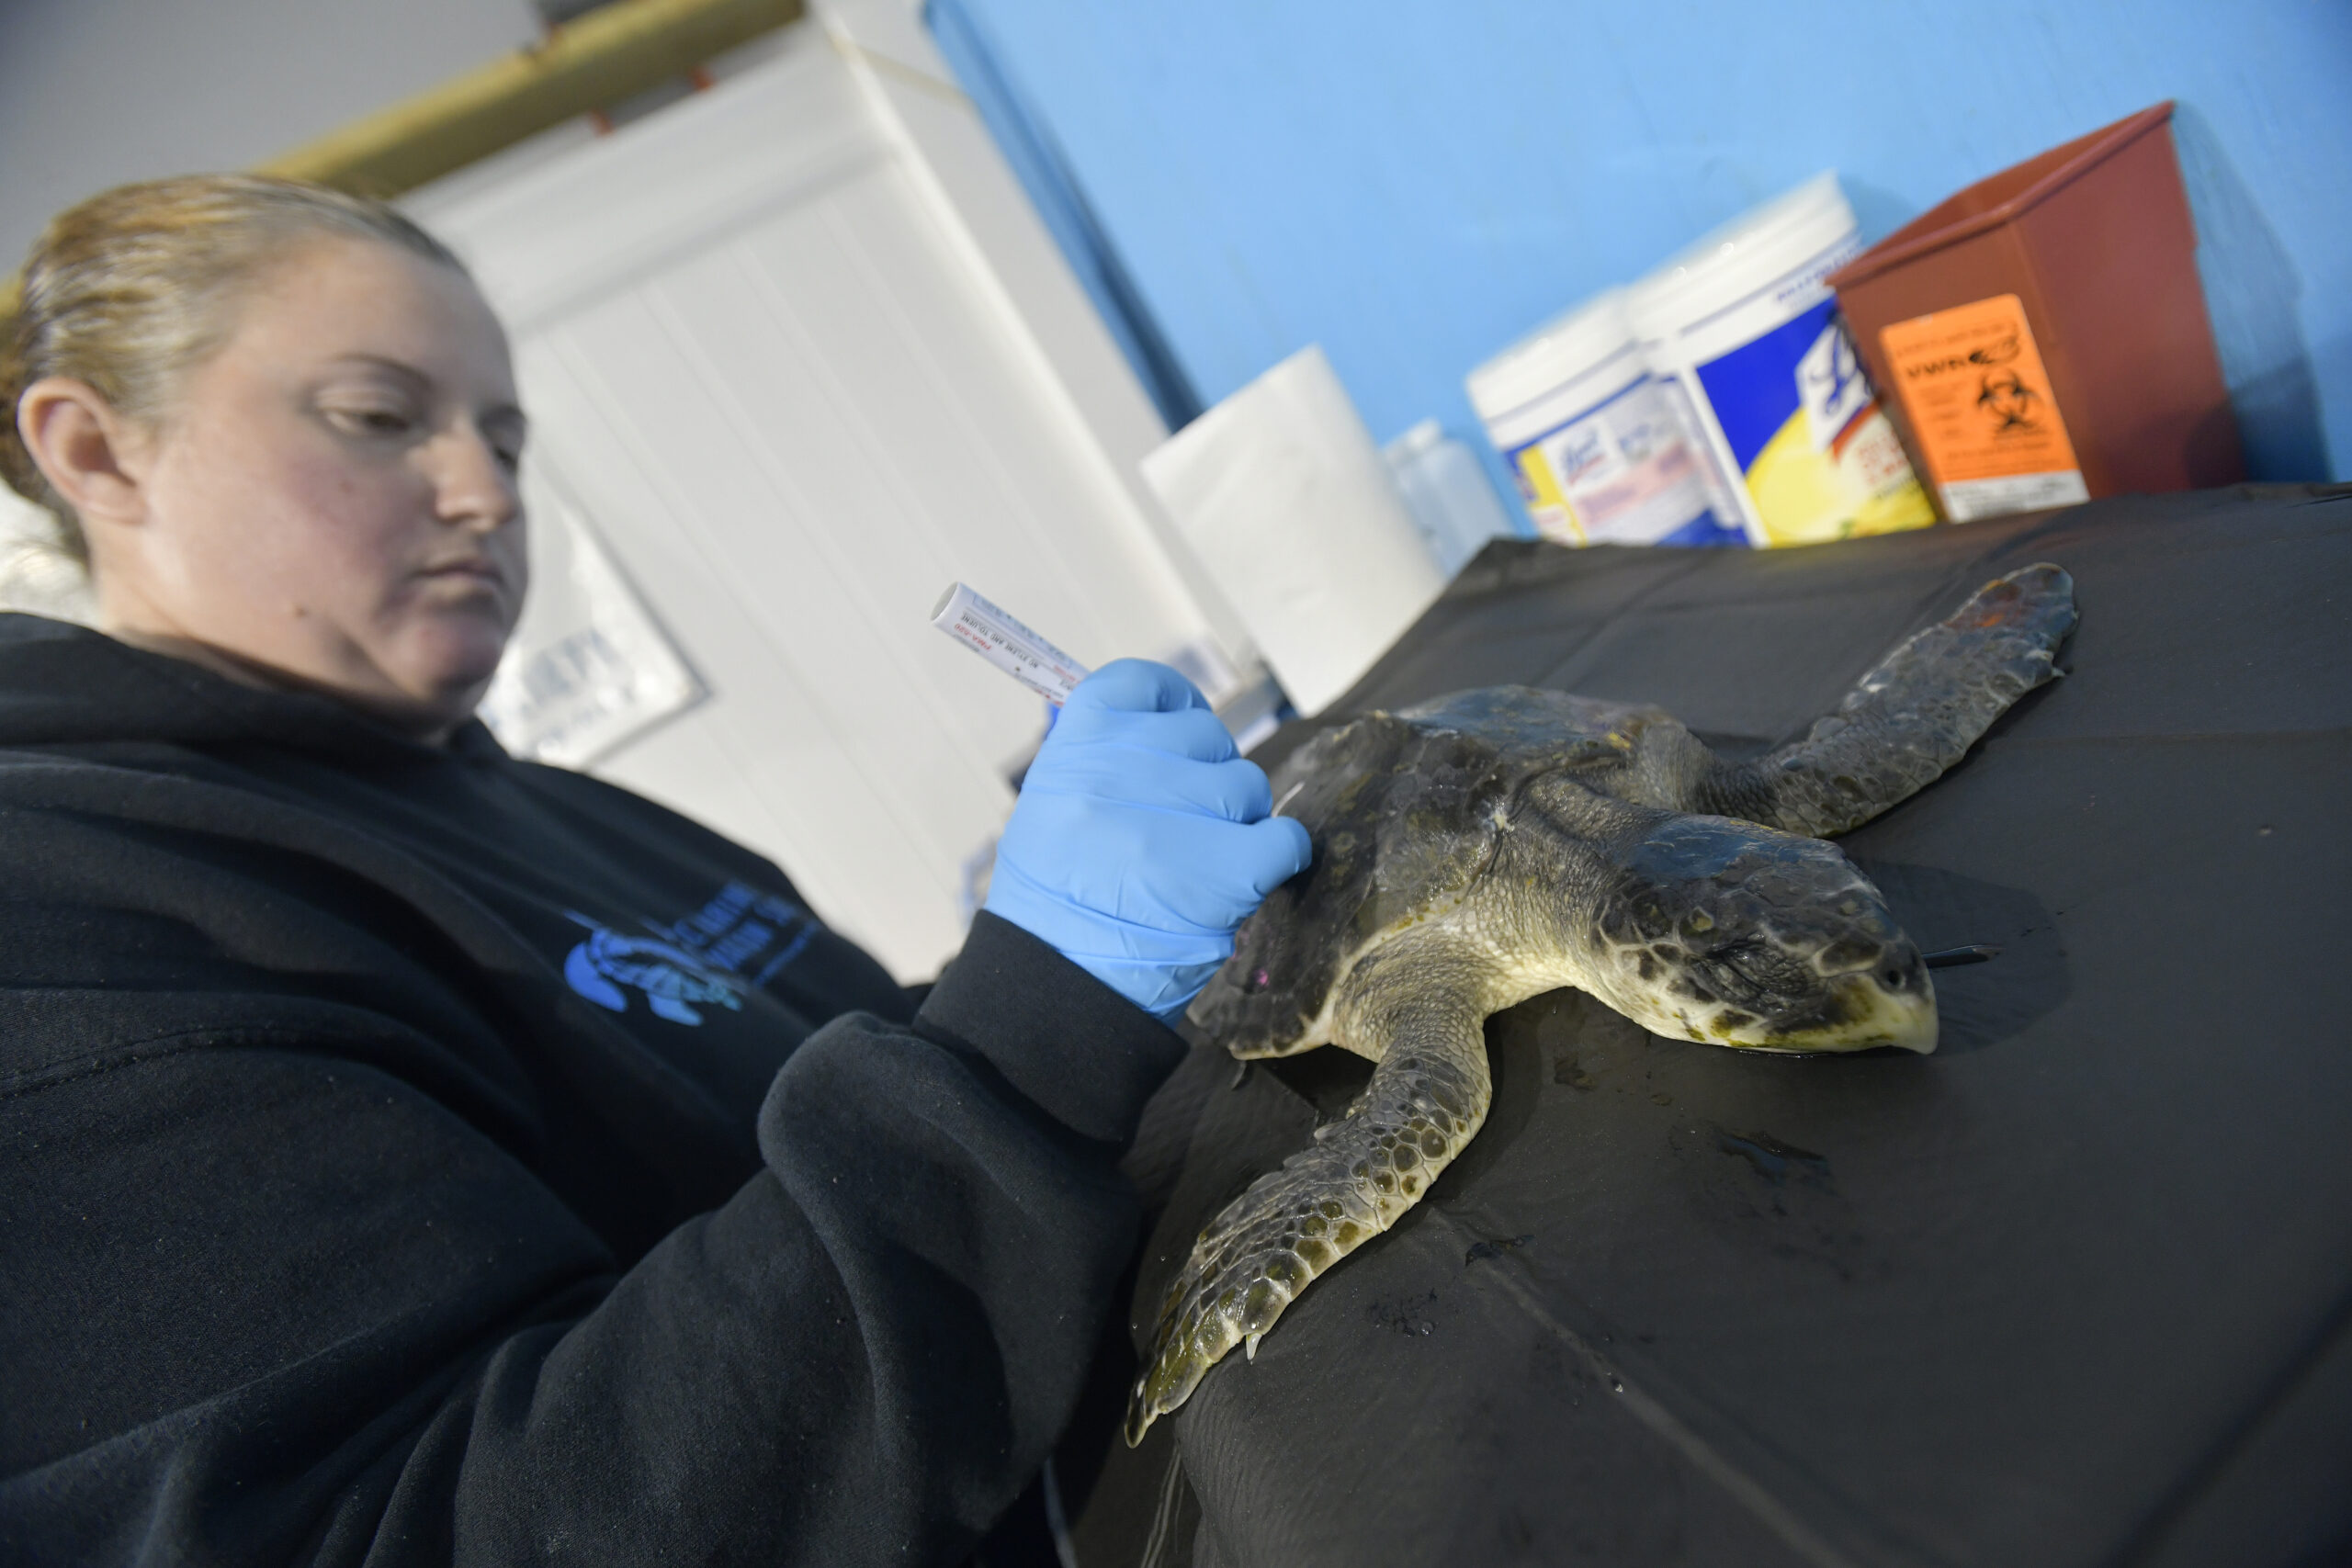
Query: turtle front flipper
x,y
1914,716
1427,1099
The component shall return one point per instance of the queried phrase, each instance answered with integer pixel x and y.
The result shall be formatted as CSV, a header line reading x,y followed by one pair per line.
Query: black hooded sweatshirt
x,y
414,1156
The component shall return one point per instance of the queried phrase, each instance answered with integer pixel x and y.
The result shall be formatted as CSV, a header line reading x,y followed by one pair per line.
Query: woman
x,y
416,1155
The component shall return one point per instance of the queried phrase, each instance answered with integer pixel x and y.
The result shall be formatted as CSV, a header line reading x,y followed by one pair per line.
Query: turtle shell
x,y
1405,810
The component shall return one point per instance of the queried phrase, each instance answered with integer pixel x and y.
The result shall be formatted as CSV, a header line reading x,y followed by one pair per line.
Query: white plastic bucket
x,y
1743,331
1595,444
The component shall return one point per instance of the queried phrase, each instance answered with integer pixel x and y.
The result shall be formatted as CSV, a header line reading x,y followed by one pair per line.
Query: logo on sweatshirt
x,y
695,963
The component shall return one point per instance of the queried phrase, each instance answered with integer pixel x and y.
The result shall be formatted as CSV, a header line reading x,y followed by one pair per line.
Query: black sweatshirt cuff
x,y
1085,1054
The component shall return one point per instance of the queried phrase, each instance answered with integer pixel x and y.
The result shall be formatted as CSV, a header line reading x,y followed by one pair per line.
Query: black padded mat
x,y
2075,1290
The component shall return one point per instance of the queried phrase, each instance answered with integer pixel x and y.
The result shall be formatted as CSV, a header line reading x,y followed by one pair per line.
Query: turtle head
x,y
1723,931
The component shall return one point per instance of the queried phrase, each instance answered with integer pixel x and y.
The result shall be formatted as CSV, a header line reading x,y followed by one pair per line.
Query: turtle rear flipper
x,y
1914,716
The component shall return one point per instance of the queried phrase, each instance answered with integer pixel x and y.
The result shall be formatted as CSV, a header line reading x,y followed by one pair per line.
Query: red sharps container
x,y
2042,337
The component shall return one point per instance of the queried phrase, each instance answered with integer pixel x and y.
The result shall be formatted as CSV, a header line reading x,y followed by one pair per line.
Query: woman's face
x,y
332,504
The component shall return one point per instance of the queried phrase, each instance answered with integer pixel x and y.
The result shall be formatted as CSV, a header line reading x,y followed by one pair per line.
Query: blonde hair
x,y
134,287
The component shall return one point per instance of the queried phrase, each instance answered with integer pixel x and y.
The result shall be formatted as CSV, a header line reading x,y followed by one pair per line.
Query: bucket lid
x,y
1552,356
1752,250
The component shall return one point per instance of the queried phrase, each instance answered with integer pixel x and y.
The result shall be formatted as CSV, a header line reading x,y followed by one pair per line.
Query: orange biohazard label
x,y
1979,401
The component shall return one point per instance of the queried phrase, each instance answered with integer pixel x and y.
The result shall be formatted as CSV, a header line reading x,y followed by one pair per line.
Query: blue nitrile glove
x,y
1142,837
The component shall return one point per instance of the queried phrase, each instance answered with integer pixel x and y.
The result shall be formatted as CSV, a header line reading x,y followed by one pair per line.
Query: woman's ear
x,y
84,449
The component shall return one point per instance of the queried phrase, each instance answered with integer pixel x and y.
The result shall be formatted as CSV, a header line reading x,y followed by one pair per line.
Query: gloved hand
x,y
1141,838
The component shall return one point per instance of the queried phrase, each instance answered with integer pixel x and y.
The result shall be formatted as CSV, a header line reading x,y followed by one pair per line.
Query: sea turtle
x,y
1488,846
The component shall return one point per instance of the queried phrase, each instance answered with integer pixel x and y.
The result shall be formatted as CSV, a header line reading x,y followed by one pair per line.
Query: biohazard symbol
x,y
2013,405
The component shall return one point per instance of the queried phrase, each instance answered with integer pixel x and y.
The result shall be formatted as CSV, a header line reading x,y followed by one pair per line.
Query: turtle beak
x,y
1877,1014
1886,999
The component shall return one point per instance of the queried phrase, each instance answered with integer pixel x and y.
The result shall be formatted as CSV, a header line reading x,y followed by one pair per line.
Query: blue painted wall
x,y
1416,184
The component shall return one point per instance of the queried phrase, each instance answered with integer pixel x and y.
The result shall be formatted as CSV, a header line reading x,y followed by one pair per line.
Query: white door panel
x,y
778,757
602,214
774,383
